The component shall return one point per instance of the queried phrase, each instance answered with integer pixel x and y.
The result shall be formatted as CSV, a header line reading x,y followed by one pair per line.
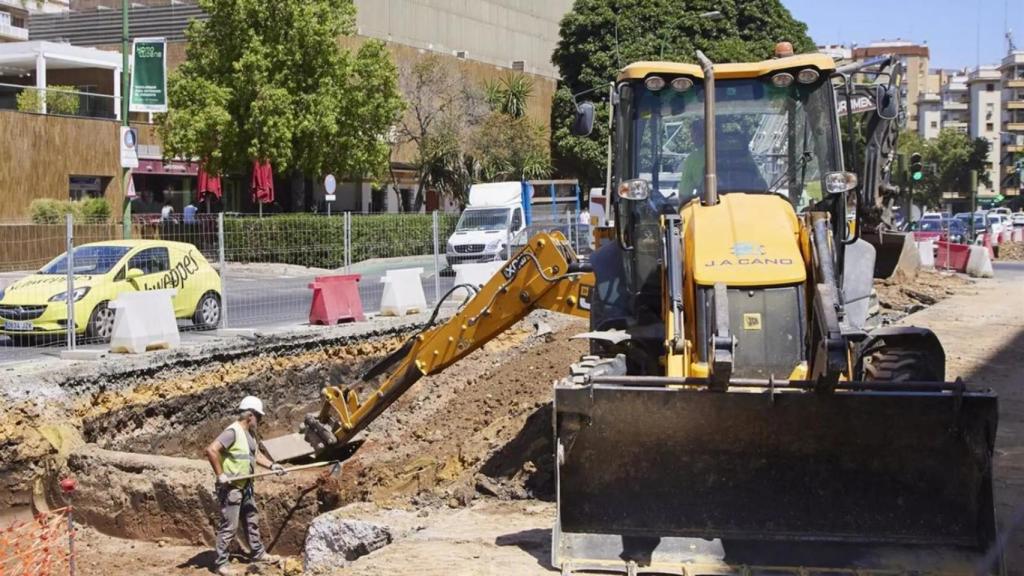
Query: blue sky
x,y
950,27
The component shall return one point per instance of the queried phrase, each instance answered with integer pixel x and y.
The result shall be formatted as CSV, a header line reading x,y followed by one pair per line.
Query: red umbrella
x,y
208,184
262,185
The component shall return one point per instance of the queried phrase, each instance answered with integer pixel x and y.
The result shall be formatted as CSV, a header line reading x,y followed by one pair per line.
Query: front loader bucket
x,y
895,252
651,474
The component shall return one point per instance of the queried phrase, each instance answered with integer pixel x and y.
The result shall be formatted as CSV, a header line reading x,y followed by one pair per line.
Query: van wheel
x,y
101,323
208,312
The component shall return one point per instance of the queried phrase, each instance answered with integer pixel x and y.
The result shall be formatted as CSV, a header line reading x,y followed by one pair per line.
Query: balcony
x,y
1015,83
1015,127
9,32
1015,105
1014,148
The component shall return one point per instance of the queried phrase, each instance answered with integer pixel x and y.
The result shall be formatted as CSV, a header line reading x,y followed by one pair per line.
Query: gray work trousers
x,y
237,503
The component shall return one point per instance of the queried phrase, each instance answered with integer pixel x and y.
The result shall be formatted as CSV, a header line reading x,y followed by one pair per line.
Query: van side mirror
x,y
887,101
583,122
133,273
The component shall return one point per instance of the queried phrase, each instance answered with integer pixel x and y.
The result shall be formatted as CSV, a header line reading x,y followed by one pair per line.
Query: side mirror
x,y
887,101
840,182
133,273
583,122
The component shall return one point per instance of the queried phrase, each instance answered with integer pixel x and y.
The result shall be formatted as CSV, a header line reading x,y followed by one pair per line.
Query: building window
x,y
990,87
934,124
989,127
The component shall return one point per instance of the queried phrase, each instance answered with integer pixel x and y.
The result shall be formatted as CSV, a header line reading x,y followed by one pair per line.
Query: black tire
x,y
881,363
208,312
101,323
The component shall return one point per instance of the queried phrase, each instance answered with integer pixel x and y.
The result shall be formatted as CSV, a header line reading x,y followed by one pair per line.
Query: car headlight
x,y
493,244
76,295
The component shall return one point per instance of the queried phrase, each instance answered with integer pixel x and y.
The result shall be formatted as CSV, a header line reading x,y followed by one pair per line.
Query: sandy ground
x,y
411,464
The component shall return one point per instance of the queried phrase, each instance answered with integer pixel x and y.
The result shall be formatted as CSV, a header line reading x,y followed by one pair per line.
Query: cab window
x,y
517,219
151,261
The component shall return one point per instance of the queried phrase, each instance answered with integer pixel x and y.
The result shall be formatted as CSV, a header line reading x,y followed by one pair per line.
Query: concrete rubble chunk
x,y
333,541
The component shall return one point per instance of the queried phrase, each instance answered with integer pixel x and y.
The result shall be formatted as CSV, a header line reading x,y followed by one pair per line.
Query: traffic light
x,y
916,169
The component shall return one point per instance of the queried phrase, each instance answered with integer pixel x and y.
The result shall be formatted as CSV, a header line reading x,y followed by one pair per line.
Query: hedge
x,y
319,240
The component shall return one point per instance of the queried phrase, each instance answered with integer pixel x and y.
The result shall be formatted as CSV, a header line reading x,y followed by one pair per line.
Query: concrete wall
x,y
985,123
491,31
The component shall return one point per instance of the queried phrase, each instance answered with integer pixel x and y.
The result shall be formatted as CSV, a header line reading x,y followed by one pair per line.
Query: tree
x,y
266,80
598,37
508,144
948,160
444,109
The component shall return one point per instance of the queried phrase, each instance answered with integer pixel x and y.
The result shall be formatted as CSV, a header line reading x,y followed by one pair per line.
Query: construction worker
x,y
231,455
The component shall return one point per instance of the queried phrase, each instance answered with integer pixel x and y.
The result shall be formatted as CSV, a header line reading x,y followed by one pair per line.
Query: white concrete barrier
x,y
979,264
1006,236
144,321
1018,234
403,292
926,253
475,275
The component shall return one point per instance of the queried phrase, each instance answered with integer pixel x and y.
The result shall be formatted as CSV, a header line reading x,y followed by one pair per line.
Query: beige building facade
x,y
915,59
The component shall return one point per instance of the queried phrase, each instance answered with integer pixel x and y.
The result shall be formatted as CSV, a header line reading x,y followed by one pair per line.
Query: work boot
x,y
226,570
267,558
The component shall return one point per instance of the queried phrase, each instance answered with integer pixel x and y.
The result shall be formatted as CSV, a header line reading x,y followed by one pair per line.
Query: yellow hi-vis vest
x,y
238,460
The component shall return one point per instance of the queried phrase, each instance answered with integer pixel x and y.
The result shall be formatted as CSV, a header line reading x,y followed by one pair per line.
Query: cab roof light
x,y
654,83
808,76
782,80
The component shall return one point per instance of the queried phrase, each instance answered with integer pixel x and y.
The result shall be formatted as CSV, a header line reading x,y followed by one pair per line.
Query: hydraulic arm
x,y
545,273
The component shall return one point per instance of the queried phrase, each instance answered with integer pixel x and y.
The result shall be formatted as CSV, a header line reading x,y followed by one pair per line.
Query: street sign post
x,y
330,185
149,75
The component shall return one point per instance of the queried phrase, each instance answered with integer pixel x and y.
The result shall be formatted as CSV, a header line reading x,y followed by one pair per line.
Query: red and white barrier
x,y
336,299
952,256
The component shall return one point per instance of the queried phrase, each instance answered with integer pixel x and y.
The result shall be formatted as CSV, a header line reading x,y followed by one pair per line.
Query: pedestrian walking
x,y
233,454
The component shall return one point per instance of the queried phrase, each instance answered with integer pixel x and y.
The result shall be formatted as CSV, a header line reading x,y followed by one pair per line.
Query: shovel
x,y
336,467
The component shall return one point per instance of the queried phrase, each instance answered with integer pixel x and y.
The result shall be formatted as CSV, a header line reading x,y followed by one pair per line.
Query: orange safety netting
x,y
37,547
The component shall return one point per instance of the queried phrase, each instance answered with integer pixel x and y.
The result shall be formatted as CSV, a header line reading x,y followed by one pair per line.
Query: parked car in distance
x,y
997,222
947,230
37,304
1018,219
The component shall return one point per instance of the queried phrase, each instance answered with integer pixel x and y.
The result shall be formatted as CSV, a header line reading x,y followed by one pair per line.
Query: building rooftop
x,y
984,73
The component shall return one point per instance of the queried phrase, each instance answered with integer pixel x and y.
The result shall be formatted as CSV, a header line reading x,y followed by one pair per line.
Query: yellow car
x,y
36,305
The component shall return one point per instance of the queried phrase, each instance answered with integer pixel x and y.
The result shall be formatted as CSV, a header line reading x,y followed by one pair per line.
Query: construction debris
x,y
333,541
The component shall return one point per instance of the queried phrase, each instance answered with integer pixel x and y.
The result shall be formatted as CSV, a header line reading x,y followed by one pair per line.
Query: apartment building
x,y
984,117
14,16
915,60
956,102
1012,69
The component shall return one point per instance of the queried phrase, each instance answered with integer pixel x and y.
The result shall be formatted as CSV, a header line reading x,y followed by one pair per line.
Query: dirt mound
x,y
898,297
485,425
1013,251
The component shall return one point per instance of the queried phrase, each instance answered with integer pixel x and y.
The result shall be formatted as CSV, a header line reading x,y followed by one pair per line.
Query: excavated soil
x,y
898,297
1013,251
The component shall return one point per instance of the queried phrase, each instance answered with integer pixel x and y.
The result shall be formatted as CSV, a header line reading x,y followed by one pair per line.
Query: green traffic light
x,y
917,175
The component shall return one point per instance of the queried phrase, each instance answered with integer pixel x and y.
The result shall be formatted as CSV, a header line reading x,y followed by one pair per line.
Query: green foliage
x,y
266,79
52,211
58,99
509,94
598,37
511,148
318,241
948,160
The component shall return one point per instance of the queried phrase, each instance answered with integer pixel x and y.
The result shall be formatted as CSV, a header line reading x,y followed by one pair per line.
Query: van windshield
x,y
485,219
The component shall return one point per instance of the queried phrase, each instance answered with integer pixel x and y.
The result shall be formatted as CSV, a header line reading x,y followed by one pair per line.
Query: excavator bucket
x,y
895,252
671,476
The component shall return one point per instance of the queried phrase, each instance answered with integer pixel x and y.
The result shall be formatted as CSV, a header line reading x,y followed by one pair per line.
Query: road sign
x,y
129,147
330,185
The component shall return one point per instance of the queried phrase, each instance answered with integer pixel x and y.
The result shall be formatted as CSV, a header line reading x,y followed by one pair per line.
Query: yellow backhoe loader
x,y
736,416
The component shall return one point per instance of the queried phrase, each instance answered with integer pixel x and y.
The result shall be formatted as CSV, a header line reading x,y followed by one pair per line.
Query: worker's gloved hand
x,y
279,469
222,479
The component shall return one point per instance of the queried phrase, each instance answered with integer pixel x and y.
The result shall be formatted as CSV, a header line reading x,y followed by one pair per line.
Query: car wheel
x,y
101,323
207,314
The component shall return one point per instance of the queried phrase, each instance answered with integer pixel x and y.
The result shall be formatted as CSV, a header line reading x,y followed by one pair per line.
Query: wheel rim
x,y
210,311
104,322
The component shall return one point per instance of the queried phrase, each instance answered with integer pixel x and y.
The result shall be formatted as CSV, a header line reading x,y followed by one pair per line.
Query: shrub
x,y
319,241
58,100
52,211
95,210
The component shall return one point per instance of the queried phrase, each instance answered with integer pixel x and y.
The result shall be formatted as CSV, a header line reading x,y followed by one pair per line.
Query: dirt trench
x,y
482,427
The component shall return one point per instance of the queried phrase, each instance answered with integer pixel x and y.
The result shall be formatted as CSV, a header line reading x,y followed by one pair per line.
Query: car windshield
x,y
88,260
768,139
932,225
486,219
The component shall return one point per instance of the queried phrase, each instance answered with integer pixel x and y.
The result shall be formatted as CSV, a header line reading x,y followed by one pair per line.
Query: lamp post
x,y
125,96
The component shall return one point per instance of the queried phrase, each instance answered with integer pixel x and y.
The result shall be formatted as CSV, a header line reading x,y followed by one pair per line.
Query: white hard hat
x,y
251,403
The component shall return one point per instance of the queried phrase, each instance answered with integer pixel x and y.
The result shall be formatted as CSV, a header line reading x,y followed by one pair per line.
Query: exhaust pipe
x,y
710,170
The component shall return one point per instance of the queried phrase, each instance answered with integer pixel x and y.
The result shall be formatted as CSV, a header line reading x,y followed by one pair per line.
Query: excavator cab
x,y
737,416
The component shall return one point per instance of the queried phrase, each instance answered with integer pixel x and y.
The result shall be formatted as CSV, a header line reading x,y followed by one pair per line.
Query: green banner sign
x,y
149,75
